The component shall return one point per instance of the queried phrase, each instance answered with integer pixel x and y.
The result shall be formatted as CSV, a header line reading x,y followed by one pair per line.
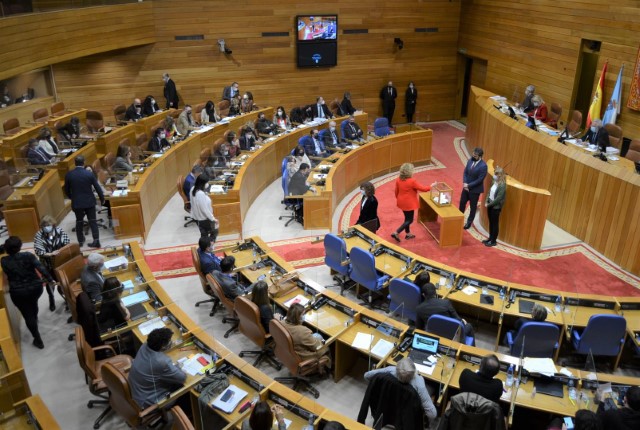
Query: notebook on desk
x,y
137,311
549,386
525,306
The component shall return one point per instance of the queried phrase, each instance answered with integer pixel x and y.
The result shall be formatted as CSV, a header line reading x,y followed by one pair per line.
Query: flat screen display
x,y
317,54
317,27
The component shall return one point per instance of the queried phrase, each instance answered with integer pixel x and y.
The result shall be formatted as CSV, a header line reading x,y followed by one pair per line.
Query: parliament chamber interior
x,y
151,94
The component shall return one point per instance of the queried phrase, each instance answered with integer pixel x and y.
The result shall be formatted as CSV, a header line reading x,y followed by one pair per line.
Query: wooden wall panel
x,y
539,43
266,65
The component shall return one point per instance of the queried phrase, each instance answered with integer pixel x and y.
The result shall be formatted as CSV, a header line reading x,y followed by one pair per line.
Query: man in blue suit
x,y
79,185
208,260
473,184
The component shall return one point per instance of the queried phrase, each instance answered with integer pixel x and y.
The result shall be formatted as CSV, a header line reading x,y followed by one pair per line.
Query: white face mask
x,y
48,229
362,192
594,129
332,128
153,102
279,113
495,177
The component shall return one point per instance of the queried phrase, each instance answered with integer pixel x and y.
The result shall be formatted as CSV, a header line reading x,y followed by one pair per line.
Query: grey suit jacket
x,y
230,287
92,283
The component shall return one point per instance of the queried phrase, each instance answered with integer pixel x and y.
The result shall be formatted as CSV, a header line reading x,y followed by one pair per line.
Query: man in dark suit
x,y
299,186
597,135
320,109
330,136
432,305
170,92
224,277
314,147
473,184
231,91
134,111
209,262
36,156
79,185
91,278
191,179
483,382
352,130
265,126
388,96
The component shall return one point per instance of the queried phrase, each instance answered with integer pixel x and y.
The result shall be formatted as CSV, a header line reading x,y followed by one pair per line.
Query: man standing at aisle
x,y
388,95
473,184
79,186
170,92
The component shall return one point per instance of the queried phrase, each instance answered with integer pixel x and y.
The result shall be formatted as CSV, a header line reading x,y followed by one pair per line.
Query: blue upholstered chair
x,y
343,125
363,272
540,340
404,298
381,127
335,254
603,336
447,327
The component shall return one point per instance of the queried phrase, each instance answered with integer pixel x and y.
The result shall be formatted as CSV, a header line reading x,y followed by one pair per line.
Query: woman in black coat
x,y
368,207
410,100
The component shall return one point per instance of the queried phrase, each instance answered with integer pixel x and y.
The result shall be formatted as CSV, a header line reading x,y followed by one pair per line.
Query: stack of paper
x,y
382,348
362,341
469,290
117,263
543,366
149,326
197,365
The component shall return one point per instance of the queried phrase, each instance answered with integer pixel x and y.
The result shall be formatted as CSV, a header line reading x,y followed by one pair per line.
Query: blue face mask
x,y
594,129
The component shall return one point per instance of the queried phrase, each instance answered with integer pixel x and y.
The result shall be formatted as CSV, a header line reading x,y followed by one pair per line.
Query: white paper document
x,y
543,366
362,341
132,299
116,262
297,299
128,284
232,397
425,370
382,348
469,290
149,326
193,366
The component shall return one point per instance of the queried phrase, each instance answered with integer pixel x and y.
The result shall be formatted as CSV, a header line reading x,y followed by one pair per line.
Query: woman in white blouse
x,y
46,142
494,203
201,209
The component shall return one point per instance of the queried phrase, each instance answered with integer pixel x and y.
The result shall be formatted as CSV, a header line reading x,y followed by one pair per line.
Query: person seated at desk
x,y
584,420
25,97
36,156
246,103
47,241
625,418
190,179
298,186
314,147
539,111
153,375
527,103
215,163
262,417
225,277
169,126
233,145
71,130
432,305
300,157
538,313
320,109
112,313
330,137
597,135
46,143
407,373
281,119
352,130
209,114
159,142
5,98
149,106
123,163
345,105
307,345
260,296
91,278
234,105
209,262
185,121
483,382
248,137
265,126
134,111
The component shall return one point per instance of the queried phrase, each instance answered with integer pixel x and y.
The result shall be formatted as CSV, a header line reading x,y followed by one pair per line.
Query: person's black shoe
x,y
395,236
52,304
94,244
466,227
38,343
490,244
81,244
485,241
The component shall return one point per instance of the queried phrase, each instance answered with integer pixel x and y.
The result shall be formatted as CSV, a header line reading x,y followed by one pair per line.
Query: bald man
x,y
134,112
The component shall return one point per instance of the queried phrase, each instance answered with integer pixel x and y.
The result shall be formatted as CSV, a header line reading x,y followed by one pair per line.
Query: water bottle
x,y
572,389
502,293
485,290
450,282
558,304
509,376
253,252
309,425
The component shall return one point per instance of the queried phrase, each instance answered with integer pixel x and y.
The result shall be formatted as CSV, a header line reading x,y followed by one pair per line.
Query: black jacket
x,y
470,411
434,307
79,184
369,212
171,94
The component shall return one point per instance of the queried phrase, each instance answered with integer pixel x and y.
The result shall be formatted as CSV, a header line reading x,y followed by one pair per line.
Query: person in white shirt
x,y
46,142
201,209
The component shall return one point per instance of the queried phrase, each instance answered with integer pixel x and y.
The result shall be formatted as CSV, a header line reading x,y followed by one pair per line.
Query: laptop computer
x,y
525,306
549,386
423,347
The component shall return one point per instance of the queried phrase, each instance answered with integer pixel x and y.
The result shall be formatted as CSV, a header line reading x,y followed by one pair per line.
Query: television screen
x,y
317,54
314,27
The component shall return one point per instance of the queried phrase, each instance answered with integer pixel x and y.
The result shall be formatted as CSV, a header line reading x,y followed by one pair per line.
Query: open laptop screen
x,y
425,343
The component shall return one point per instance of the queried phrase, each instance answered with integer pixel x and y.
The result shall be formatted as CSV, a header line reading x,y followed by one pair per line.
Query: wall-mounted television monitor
x,y
317,27
317,54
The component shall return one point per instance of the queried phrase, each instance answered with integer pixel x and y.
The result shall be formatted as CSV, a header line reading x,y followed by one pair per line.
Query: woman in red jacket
x,y
407,198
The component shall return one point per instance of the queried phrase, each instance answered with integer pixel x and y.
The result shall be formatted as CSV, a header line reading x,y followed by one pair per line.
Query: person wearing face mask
x,y
149,106
527,103
281,119
265,126
330,136
170,92
300,157
597,135
134,111
209,114
233,144
248,138
231,91
71,130
158,142
368,207
246,104
47,241
186,123
352,130
201,209
91,278
410,100
46,142
298,186
208,260
314,147
388,96
406,192
473,184
494,204
320,109
123,164
539,111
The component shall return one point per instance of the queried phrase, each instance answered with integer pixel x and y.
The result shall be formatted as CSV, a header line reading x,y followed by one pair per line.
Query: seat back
x,y
285,177
443,326
195,259
250,324
119,112
95,121
335,253
615,135
11,126
343,125
204,155
554,114
363,268
180,420
381,127
185,199
284,350
633,153
86,356
603,335
223,108
540,340
41,115
69,276
57,108
305,141
120,397
108,160
65,254
334,107
575,123
405,298
197,110
219,293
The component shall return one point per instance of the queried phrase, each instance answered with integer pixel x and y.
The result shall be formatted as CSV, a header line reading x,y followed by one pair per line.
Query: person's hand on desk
x,y
278,412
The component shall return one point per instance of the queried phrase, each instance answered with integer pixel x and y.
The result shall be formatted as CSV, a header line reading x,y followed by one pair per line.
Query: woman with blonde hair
x,y
539,109
494,204
407,199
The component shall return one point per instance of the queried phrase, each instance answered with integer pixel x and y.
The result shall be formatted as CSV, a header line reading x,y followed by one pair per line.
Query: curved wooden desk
x,y
595,201
524,214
